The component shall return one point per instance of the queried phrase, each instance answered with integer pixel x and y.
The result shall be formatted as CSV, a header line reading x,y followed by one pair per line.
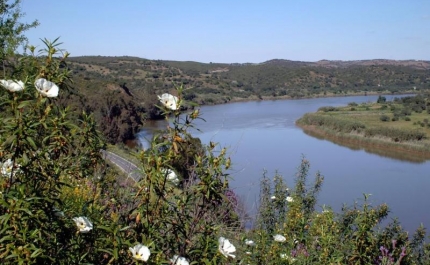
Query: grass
x,y
369,115
404,134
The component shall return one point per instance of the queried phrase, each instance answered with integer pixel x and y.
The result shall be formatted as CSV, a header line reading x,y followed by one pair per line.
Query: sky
x,y
235,31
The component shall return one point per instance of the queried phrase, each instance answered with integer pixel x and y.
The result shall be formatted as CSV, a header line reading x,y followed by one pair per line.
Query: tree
x,y
11,30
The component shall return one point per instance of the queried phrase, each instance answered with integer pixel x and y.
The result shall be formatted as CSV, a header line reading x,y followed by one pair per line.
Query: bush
x,y
384,118
60,203
327,109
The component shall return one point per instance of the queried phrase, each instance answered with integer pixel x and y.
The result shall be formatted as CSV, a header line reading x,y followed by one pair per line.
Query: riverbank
x,y
328,95
399,129
406,151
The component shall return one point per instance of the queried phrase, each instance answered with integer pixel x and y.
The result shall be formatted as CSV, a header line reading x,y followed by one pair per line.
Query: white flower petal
x,y
140,252
169,101
289,199
83,223
226,248
249,242
46,88
279,238
171,175
12,85
7,168
177,260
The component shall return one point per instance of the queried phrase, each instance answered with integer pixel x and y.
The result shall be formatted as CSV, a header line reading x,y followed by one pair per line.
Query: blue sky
x,y
236,31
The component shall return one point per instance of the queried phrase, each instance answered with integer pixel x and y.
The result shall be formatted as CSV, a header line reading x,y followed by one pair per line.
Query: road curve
x,y
126,166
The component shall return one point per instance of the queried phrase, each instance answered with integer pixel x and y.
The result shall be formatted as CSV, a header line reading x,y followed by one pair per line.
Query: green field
x,y
403,122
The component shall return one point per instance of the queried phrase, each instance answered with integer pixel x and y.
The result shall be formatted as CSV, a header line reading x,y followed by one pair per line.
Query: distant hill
x,y
122,91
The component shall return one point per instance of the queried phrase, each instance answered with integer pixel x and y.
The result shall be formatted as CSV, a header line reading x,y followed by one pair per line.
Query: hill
x,y
122,91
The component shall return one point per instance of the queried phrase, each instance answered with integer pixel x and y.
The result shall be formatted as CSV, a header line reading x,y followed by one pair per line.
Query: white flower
x,y
171,175
289,199
249,242
279,238
12,85
140,252
285,256
7,168
84,225
46,88
169,101
248,253
273,197
177,260
226,248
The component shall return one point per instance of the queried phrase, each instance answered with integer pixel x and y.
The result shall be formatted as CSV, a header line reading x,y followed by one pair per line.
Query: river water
x,y
262,135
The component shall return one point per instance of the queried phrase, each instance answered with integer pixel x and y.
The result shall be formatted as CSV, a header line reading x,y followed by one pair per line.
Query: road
x,y
126,166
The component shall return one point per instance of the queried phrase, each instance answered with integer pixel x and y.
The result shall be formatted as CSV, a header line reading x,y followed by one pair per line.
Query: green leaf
x,y
24,104
31,143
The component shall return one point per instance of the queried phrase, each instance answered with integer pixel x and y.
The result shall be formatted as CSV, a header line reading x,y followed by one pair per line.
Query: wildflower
x,y
226,248
285,256
12,85
273,197
171,175
279,238
6,168
140,252
46,88
176,260
84,225
248,253
169,101
249,242
289,199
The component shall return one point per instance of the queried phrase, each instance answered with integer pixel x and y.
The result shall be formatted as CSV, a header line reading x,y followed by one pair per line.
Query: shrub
x,y
384,118
60,205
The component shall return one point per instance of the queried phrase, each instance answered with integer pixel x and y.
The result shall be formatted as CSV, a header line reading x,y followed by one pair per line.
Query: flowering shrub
x,y
60,203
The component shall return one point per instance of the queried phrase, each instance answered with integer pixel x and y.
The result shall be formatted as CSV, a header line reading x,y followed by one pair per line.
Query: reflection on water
x,y
263,135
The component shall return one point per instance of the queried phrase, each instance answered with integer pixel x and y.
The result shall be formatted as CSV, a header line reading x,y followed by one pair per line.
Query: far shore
x,y
355,94
411,152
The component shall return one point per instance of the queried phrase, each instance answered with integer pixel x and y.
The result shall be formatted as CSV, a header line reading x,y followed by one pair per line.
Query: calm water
x,y
263,136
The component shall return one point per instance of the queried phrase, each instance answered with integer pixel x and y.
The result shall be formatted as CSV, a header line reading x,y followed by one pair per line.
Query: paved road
x,y
126,166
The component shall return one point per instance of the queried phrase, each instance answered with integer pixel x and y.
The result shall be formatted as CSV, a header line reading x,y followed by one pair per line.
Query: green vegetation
x,y
60,202
121,91
403,122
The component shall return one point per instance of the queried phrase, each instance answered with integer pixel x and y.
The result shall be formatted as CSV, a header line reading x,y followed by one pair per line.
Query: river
x,y
262,135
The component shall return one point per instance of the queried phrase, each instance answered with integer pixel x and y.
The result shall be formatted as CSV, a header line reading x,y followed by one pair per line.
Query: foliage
x,y
133,83
60,204
356,235
11,30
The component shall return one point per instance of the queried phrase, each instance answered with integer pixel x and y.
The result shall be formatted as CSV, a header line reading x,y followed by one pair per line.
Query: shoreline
x,y
370,93
386,148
